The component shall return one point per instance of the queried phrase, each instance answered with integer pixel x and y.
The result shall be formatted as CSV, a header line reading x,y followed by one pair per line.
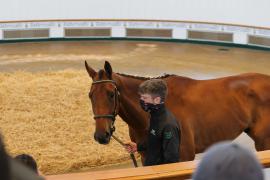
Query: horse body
x,y
221,109
208,111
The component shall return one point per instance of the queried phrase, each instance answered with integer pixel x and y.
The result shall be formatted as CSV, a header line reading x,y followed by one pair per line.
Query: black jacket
x,y
163,141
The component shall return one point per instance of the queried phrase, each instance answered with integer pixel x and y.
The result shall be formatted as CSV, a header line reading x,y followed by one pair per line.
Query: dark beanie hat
x,y
228,161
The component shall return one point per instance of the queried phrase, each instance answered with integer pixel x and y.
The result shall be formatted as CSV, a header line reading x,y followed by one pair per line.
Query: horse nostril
x,y
102,139
107,135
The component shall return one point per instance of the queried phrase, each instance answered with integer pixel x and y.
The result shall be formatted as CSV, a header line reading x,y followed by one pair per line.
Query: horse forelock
x,y
102,75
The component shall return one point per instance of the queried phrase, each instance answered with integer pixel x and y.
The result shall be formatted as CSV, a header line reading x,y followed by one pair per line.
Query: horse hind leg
x,y
260,130
262,143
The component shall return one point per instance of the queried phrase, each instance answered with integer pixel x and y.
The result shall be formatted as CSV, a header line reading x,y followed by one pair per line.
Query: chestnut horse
x,y
208,110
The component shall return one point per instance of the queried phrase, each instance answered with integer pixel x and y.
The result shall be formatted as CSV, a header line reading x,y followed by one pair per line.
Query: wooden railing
x,y
182,170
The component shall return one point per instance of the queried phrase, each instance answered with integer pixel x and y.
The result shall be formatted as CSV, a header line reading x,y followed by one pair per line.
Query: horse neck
x,y
130,111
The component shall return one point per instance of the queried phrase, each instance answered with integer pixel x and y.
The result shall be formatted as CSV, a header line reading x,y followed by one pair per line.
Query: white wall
x,y
245,12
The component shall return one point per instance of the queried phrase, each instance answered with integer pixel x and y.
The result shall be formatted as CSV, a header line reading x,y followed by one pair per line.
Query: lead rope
x,y
131,154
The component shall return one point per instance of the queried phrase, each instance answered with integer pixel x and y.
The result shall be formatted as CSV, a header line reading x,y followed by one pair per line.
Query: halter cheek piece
x,y
112,116
116,103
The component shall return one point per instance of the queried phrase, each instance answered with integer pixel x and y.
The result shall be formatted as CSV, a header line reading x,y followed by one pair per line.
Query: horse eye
x,y
111,94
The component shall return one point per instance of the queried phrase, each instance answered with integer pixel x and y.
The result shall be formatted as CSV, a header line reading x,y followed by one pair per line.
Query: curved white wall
x,y
244,12
246,22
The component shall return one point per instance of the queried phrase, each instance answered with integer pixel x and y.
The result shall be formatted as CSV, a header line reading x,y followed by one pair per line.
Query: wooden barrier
x,y
178,171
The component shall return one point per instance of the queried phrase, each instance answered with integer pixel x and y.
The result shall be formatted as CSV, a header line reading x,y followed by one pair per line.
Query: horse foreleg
x,y
187,145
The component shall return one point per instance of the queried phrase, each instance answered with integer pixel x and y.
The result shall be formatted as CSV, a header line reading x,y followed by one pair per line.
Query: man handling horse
x,y
163,138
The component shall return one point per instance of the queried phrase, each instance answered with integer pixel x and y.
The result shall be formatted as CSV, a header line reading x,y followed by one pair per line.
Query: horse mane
x,y
145,78
101,72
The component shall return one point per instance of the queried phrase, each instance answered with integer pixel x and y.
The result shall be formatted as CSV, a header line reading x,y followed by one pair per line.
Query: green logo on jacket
x,y
168,135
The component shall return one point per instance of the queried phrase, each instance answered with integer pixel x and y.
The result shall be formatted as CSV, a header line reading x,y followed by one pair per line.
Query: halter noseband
x,y
116,102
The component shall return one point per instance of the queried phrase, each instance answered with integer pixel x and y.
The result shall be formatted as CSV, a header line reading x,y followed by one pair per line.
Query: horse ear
x,y
92,73
108,69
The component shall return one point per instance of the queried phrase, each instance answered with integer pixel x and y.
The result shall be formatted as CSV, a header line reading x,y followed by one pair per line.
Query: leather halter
x,y
116,103
112,116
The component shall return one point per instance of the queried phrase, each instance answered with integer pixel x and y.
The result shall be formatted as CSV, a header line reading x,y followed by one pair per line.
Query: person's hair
x,y
27,160
228,160
4,162
154,87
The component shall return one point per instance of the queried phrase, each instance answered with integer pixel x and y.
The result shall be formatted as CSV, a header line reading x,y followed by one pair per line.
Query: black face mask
x,y
149,107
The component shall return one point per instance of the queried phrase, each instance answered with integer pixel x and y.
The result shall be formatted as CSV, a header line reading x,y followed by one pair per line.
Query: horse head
x,y
104,97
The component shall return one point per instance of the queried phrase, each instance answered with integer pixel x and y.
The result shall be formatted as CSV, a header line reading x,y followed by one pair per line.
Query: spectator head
x,y
27,160
4,162
228,161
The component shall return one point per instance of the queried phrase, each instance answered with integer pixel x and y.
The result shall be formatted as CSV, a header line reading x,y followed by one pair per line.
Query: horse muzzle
x,y
102,138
